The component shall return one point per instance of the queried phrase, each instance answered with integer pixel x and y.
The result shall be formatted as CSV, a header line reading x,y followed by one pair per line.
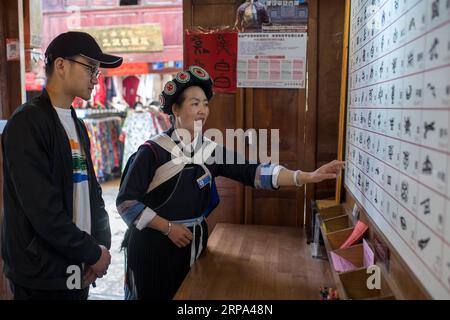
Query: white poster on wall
x,y
12,50
271,60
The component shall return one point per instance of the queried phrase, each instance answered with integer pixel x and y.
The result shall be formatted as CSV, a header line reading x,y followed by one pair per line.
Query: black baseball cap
x,y
79,43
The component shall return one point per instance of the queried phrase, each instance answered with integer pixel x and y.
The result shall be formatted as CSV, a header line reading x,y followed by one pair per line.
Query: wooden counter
x,y
256,262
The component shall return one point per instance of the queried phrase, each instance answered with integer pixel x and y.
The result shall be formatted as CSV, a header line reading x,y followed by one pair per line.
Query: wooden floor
x,y
256,262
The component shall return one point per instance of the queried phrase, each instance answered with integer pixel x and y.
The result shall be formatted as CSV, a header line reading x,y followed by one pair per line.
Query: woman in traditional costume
x,y
168,189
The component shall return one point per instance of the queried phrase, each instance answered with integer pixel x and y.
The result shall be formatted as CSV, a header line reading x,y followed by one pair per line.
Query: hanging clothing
x,y
106,149
145,89
130,86
110,90
79,103
157,86
119,100
100,93
155,266
138,127
162,120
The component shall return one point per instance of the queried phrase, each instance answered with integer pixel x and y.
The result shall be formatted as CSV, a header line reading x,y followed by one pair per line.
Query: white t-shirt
x,y
81,201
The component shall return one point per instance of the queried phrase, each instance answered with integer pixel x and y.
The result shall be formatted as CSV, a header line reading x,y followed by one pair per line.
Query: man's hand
x,y
180,235
89,277
331,170
102,264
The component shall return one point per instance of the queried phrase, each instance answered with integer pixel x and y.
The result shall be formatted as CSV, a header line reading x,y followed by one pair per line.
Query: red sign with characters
x,y
215,50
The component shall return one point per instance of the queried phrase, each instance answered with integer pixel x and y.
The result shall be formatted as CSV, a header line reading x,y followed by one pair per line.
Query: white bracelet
x,y
168,231
296,183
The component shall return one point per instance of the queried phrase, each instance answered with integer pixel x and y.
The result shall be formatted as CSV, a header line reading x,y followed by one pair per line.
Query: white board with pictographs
x,y
397,129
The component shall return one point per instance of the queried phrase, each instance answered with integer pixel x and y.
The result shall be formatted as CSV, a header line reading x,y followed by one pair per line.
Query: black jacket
x,y
39,239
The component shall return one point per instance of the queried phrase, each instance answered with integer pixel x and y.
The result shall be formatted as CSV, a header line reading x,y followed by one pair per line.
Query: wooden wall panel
x,y
10,96
325,36
212,15
310,121
226,113
330,38
4,97
223,113
277,109
231,204
9,70
276,210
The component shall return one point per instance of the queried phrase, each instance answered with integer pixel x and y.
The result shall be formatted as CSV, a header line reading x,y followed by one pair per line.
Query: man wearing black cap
x,y
56,232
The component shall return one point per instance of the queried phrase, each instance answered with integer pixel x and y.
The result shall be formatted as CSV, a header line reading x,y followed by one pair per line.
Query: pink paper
x,y
356,235
340,264
369,257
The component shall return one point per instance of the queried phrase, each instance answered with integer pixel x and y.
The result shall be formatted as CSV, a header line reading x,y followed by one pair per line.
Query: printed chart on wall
x,y
271,60
398,122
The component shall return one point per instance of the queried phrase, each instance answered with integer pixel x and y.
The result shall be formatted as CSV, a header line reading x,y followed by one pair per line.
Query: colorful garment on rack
x,y
100,93
106,149
163,121
130,86
110,89
79,103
